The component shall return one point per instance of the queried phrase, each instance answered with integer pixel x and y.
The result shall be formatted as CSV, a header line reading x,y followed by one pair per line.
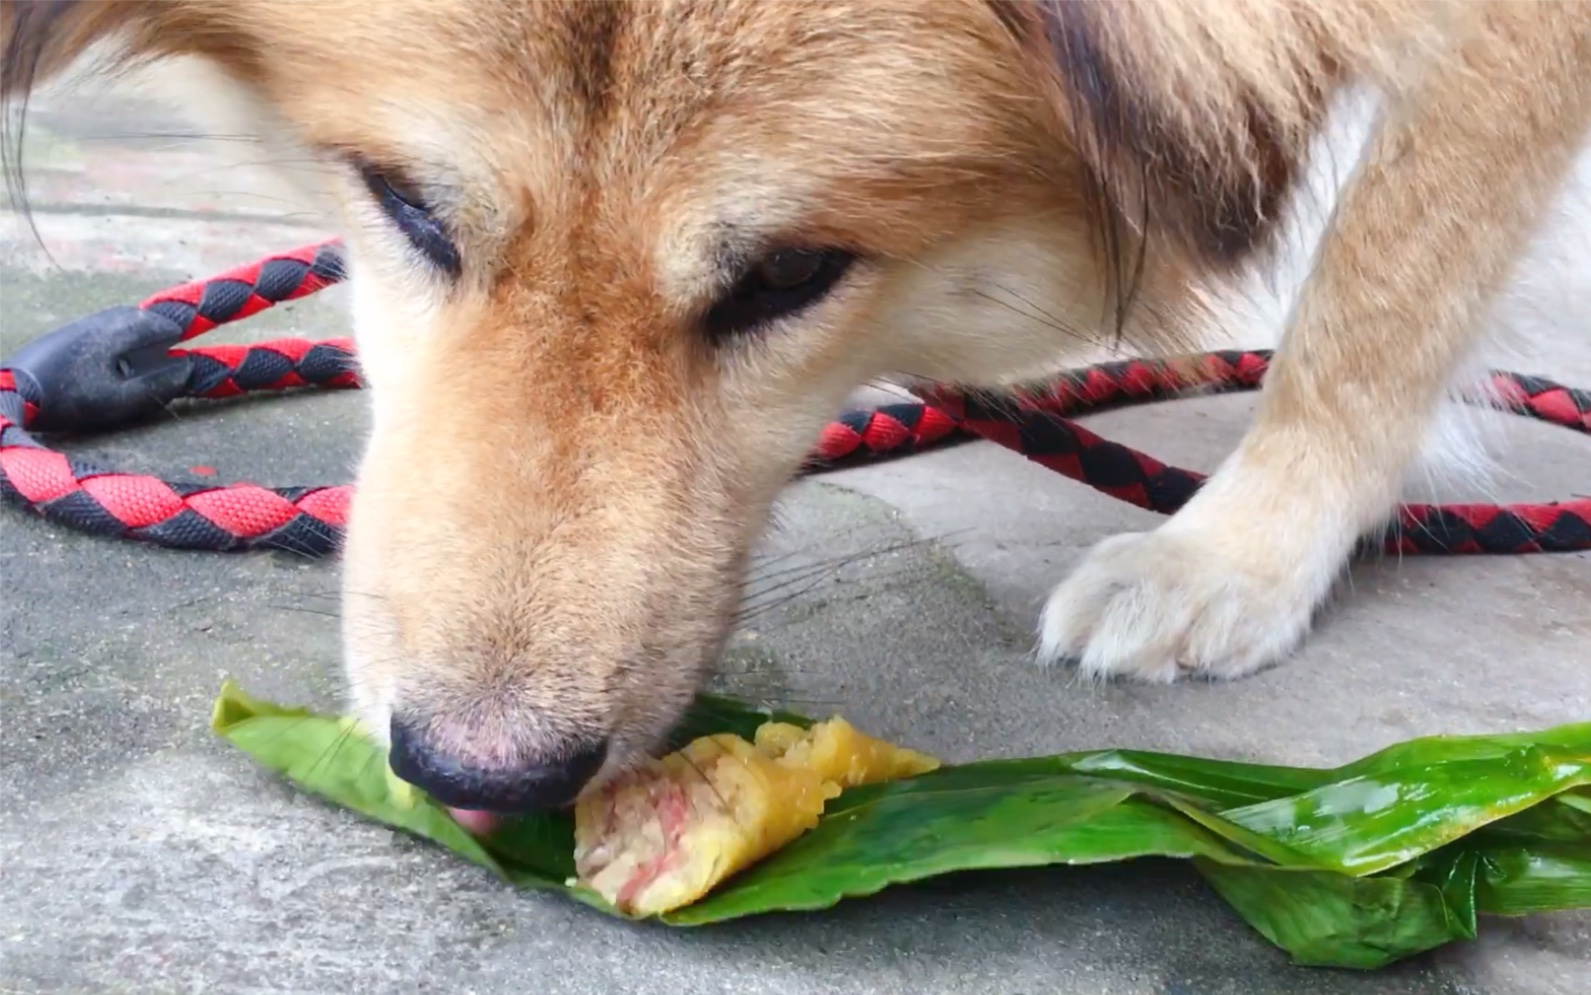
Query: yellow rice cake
x,y
665,834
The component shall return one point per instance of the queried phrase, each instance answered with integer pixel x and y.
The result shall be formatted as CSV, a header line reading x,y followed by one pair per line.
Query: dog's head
x,y
614,267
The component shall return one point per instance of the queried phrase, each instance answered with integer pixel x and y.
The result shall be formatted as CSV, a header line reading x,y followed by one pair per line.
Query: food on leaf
x,y
1357,866
665,834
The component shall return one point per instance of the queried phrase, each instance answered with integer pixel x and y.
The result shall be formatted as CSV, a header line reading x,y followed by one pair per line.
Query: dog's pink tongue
x,y
478,823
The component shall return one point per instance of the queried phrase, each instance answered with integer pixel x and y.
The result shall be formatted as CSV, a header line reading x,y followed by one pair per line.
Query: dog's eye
x,y
781,283
787,269
402,202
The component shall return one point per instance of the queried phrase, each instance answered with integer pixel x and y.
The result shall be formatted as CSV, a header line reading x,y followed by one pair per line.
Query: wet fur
x,y
1028,183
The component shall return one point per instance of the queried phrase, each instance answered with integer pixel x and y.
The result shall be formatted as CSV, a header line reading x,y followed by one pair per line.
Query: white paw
x,y
1159,606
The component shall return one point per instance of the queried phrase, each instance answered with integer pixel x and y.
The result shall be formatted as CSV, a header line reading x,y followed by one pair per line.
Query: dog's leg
x,y
1448,195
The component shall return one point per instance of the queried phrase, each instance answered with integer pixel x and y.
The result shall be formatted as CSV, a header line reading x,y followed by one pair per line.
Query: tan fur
x,y
1022,181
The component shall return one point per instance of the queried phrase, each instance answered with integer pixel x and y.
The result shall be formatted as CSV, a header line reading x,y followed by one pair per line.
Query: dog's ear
x,y
1187,138
39,38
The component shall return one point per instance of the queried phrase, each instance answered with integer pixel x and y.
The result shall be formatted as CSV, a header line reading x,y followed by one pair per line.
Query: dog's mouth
x,y
484,822
476,822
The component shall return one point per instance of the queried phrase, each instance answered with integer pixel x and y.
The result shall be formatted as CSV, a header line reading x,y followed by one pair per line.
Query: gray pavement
x,y
138,854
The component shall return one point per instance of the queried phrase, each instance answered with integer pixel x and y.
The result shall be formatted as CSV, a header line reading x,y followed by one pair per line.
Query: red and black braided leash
x,y
112,367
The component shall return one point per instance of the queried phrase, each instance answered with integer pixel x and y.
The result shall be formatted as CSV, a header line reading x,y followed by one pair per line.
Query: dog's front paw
x,y
1162,605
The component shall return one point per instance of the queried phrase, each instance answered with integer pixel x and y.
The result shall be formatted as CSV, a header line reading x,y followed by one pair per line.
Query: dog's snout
x,y
528,785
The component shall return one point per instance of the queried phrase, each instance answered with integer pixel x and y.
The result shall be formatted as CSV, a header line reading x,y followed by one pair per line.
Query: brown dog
x,y
655,244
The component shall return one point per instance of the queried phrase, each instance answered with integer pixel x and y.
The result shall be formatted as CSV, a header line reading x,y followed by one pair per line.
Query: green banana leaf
x,y
1358,866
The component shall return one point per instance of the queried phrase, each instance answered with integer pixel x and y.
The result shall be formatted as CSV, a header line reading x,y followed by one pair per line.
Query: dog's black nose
x,y
515,789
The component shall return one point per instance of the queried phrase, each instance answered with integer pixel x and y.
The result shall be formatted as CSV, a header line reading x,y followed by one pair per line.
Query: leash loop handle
x,y
101,371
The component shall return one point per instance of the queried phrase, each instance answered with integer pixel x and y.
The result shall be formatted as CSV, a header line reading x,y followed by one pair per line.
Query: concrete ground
x,y
139,854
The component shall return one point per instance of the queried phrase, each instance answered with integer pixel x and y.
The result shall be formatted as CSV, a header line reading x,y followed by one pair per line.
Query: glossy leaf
x,y
1328,919
1386,857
